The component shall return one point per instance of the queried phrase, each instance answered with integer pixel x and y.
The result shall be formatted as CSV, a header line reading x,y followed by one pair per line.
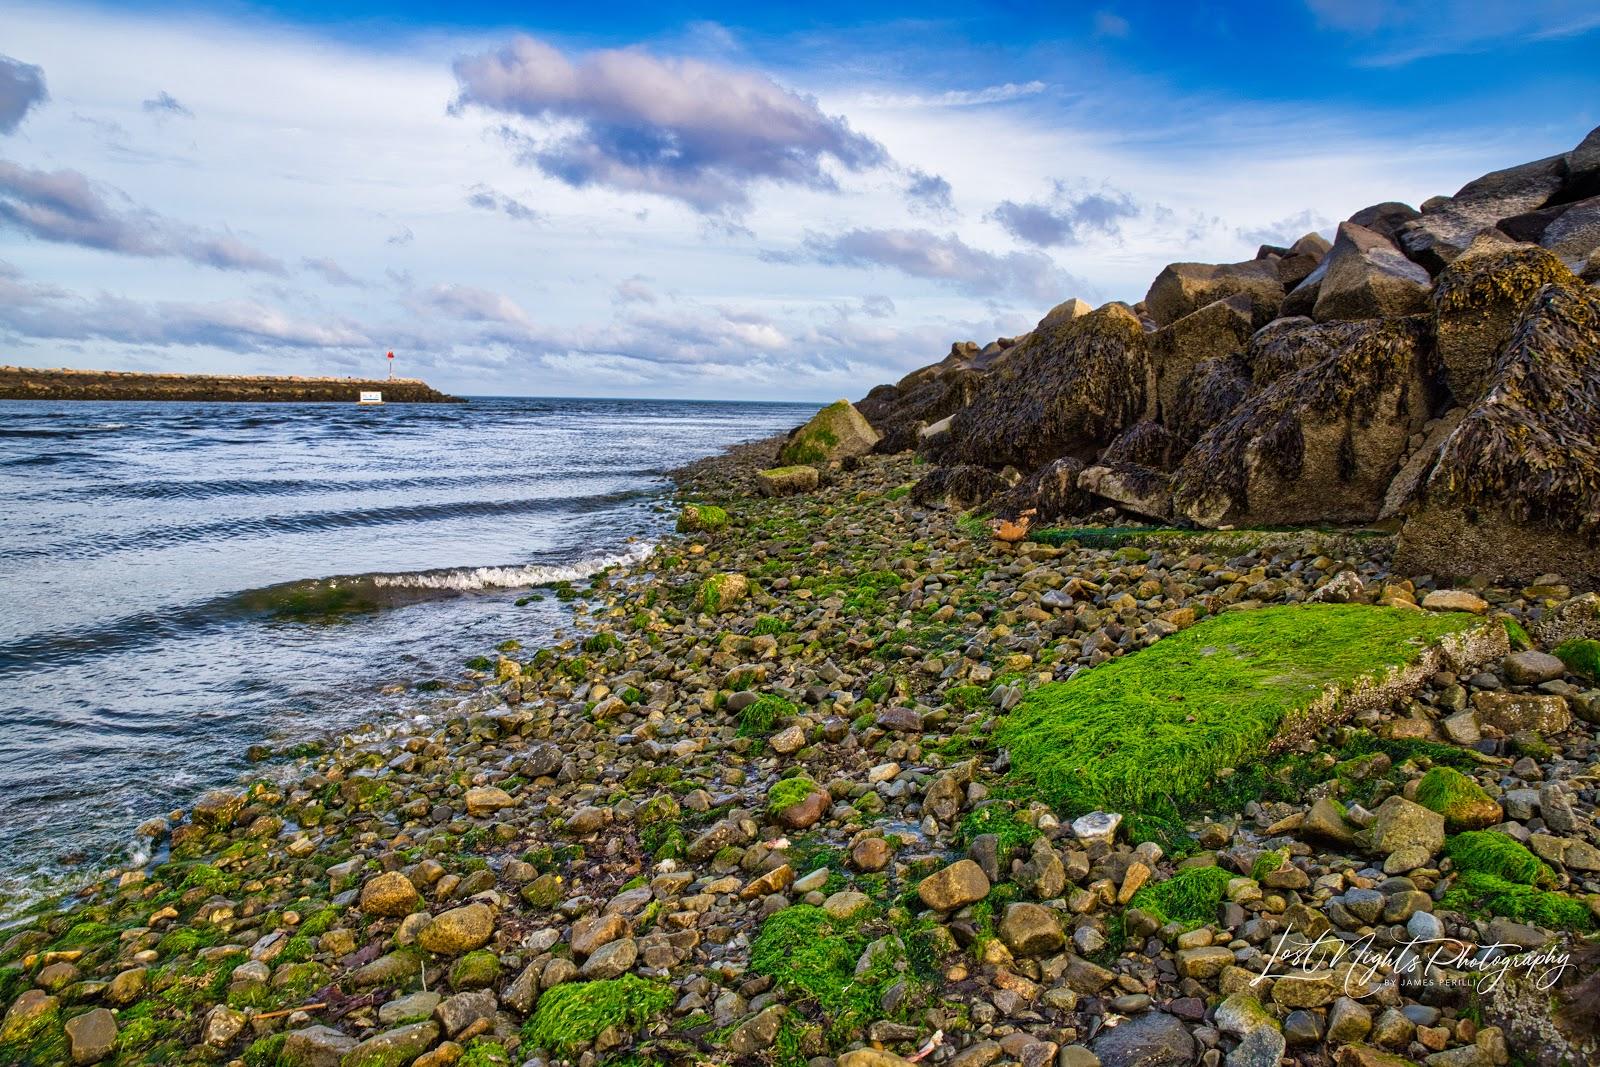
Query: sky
x,y
706,201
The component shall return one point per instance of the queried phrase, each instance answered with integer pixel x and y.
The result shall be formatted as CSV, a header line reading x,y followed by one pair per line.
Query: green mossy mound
x,y
814,957
1582,657
1191,897
837,430
573,1014
759,718
1462,801
701,517
1209,698
1479,894
1490,852
788,792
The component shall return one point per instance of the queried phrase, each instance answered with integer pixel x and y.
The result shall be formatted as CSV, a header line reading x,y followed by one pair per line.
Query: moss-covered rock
x,y
1582,657
1477,302
476,970
1321,444
1220,694
1462,801
1490,852
1190,897
706,518
1067,390
786,481
573,1015
836,431
721,592
1515,488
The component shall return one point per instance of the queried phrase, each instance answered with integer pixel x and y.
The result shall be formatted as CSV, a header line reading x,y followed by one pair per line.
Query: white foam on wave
x,y
513,577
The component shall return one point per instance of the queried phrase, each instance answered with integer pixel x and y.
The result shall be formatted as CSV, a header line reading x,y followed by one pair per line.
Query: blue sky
x,y
706,200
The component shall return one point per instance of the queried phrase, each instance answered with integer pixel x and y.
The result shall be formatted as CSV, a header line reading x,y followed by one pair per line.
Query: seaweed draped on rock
x,y
1323,443
1067,390
1320,383
1515,489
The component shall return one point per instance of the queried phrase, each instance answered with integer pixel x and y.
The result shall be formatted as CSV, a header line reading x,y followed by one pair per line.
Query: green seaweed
x,y
814,957
1582,657
758,719
1191,897
1491,852
788,792
1482,894
997,818
573,1014
1207,699
1453,795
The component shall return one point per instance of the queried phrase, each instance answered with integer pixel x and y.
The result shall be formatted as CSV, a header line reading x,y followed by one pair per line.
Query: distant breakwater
x,y
24,383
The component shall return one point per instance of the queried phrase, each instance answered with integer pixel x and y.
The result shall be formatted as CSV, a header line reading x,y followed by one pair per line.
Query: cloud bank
x,y
21,88
64,207
691,131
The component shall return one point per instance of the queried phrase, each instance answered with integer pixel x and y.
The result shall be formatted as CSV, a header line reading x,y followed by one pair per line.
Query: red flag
x,y
391,355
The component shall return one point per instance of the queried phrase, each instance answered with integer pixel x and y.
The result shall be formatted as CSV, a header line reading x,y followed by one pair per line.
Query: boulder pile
x,y
1437,370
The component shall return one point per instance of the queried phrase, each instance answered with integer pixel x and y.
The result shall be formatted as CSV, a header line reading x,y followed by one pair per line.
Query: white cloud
x,y
674,127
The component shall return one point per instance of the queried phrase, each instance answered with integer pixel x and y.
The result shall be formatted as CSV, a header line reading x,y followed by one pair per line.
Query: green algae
x,y
814,957
1267,863
815,443
1582,657
1491,852
997,818
573,1014
788,792
701,517
1453,795
1202,701
1190,897
759,718
1480,894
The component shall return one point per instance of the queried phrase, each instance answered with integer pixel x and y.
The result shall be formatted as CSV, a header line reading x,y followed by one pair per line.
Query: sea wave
x,y
310,599
531,575
371,592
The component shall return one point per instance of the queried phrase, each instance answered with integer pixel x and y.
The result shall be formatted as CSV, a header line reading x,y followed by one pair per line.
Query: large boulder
x,y
1208,395
1447,226
958,487
1479,300
1184,288
836,431
1067,390
1385,218
1131,487
1050,494
1301,258
1322,444
1287,346
1147,443
1221,328
1574,232
927,402
1302,299
1515,489
1366,277
1583,169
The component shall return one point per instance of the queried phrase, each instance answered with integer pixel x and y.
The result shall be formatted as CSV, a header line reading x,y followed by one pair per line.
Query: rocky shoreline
x,y
756,811
918,743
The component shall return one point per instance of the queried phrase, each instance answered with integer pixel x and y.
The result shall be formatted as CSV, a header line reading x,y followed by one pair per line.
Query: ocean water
x,y
179,582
